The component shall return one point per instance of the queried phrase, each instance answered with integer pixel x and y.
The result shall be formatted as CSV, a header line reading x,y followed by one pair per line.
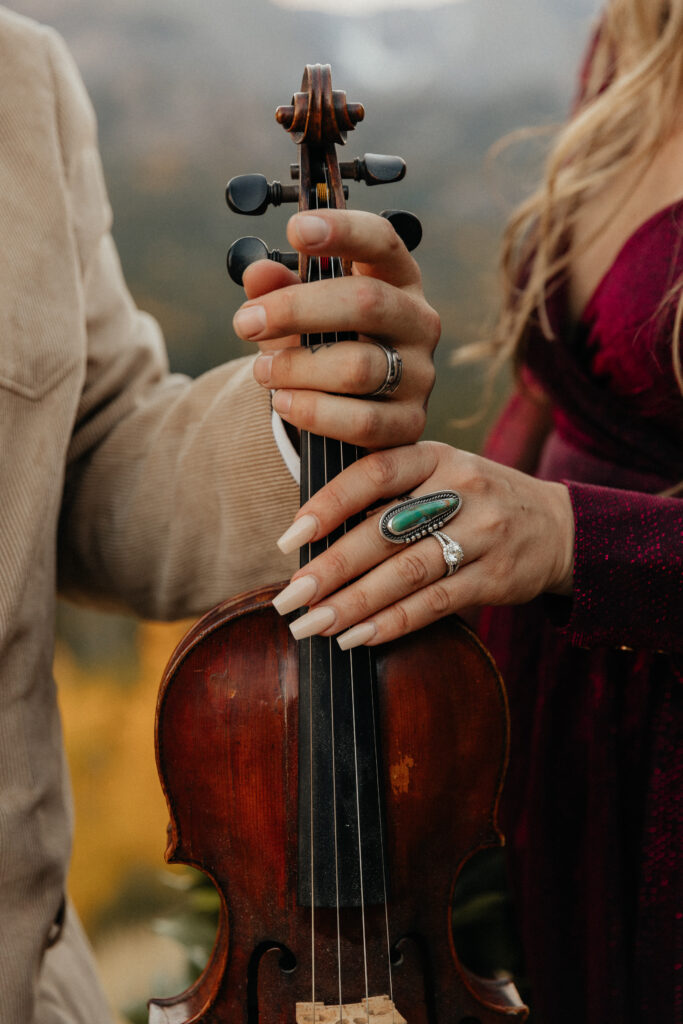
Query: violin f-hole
x,y
287,964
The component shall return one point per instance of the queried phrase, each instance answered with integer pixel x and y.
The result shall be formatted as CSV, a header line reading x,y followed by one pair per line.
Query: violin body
x,y
227,738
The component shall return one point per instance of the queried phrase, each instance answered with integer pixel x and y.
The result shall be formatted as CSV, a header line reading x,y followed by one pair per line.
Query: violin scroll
x,y
318,118
319,114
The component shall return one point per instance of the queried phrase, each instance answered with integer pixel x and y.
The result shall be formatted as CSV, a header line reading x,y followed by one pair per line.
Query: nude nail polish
x,y
357,635
300,532
296,594
312,622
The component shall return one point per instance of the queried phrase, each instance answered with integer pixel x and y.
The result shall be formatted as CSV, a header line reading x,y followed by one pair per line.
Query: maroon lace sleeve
x,y
628,572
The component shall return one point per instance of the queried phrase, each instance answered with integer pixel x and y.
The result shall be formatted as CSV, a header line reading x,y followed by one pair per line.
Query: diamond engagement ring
x,y
453,554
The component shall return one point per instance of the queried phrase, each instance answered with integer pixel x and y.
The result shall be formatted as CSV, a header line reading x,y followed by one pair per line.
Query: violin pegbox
x,y
318,119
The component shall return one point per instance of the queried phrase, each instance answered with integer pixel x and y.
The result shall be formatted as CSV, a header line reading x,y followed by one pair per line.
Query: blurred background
x,y
185,95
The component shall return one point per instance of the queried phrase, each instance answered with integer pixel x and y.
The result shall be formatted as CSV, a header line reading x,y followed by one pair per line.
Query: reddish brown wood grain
x,y
227,753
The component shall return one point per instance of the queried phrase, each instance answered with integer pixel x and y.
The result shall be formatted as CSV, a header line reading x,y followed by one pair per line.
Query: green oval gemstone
x,y
420,515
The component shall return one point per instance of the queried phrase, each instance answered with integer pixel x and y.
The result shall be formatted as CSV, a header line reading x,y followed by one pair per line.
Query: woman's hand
x,y
318,389
516,533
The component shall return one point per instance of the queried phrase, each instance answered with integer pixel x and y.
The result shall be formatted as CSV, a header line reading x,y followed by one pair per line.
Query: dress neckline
x,y
635,235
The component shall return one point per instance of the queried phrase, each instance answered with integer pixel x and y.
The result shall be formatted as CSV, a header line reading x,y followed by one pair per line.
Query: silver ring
x,y
413,518
453,554
394,372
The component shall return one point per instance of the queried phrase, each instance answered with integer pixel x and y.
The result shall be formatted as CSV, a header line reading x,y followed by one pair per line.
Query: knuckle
x,y
414,421
391,241
497,527
369,296
426,319
282,313
369,420
362,605
429,377
399,620
284,366
433,327
337,566
303,410
358,371
473,477
381,468
412,570
438,599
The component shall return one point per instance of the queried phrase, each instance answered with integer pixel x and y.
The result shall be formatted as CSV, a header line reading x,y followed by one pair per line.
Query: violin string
x,y
356,456
331,671
333,266
310,748
381,844
309,483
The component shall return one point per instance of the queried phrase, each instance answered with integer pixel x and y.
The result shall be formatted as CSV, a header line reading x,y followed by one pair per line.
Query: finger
x,y
357,421
383,475
345,367
444,597
360,304
401,573
356,552
363,237
417,571
266,276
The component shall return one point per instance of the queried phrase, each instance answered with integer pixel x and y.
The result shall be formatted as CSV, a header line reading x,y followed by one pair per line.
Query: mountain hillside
x,y
185,95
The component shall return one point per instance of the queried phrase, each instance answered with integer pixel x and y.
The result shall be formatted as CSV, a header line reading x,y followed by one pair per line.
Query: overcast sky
x,y
362,6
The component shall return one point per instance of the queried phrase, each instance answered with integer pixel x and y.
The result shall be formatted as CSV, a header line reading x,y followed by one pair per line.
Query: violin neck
x,y
341,816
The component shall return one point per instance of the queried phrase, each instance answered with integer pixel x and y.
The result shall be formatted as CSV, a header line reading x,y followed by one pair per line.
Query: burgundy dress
x,y
593,806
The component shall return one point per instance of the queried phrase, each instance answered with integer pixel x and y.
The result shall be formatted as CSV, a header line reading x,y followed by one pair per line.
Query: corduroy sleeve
x,y
175,491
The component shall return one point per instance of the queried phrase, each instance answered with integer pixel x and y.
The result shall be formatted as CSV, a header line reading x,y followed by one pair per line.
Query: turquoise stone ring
x,y
414,518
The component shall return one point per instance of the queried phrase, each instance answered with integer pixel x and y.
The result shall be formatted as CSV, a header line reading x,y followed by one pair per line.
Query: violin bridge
x,y
375,1010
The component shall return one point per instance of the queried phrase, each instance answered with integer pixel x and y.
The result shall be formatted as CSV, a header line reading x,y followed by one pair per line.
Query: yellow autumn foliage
x,y
121,814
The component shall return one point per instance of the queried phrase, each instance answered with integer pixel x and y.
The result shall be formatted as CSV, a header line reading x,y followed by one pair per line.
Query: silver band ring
x,y
453,554
393,374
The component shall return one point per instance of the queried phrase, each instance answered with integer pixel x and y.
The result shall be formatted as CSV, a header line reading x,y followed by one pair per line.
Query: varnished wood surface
x,y
227,738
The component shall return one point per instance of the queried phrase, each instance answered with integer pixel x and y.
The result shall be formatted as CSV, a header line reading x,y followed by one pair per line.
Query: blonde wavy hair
x,y
627,109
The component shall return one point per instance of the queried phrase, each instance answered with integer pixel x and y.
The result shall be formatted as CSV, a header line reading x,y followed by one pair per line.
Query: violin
x,y
332,797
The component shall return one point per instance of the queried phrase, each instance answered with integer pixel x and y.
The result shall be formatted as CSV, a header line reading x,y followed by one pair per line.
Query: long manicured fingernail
x,y
263,366
311,230
249,321
282,402
296,594
300,532
357,635
312,622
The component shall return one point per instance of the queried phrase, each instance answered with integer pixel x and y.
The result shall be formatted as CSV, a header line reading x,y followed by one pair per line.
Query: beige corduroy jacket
x,y
118,481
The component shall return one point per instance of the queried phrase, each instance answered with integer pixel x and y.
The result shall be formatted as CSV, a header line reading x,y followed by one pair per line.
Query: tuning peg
x,y
251,194
406,225
374,169
250,249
